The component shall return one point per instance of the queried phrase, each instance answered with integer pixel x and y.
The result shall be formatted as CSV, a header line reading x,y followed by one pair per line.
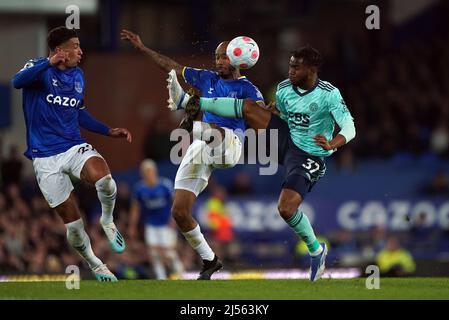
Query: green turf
x,y
406,288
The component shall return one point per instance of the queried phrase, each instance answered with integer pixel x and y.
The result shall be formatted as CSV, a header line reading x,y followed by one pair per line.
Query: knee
x,y
68,210
106,185
287,209
179,212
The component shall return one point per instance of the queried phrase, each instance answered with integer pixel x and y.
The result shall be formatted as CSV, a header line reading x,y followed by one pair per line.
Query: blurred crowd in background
x,y
395,84
33,237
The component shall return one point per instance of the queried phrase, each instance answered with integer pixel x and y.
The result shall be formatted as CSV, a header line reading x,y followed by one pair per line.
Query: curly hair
x,y
309,55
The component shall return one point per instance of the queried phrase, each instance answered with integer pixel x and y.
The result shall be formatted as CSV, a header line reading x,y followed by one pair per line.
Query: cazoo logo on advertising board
x,y
257,214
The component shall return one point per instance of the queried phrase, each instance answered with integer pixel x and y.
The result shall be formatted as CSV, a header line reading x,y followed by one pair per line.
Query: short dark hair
x,y
59,35
310,56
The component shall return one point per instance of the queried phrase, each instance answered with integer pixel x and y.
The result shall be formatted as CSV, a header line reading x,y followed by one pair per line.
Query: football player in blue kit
x,y
151,203
54,111
195,169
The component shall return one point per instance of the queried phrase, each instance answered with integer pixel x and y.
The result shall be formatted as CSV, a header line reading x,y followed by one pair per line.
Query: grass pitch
x,y
324,289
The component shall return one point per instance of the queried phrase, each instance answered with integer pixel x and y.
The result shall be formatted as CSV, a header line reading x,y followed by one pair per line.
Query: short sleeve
x,y
253,93
280,106
198,78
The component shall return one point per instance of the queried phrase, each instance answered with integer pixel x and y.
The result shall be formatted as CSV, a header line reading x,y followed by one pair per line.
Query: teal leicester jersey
x,y
312,112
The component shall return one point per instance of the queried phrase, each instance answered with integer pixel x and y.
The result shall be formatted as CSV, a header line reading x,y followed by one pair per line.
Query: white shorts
x,y
200,160
53,173
162,236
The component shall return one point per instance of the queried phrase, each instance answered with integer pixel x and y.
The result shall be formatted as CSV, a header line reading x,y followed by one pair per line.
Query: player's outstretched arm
x,y
88,122
162,61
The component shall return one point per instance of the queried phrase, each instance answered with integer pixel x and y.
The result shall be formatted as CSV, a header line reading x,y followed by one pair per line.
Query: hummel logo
x,y
55,82
210,90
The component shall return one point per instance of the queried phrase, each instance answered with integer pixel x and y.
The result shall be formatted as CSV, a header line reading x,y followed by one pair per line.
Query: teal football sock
x,y
225,107
302,227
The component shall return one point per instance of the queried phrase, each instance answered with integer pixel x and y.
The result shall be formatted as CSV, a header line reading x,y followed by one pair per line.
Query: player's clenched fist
x,y
120,133
61,56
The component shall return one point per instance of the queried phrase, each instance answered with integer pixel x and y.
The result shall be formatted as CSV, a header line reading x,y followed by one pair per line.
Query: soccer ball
x,y
243,52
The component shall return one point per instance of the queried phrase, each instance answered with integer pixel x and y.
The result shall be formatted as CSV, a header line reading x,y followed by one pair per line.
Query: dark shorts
x,y
302,170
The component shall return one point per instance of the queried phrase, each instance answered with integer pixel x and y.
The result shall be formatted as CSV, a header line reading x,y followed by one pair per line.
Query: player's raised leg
x,y
96,172
289,201
182,213
79,240
255,116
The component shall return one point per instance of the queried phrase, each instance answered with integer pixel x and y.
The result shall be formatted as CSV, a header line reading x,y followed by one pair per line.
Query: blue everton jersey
x,y
51,102
212,86
154,202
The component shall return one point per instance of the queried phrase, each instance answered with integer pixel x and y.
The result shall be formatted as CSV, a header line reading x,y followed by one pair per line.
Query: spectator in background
x,y
1,162
422,236
443,240
345,161
16,202
378,235
3,207
439,139
11,168
395,261
439,185
3,254
53,264
219,222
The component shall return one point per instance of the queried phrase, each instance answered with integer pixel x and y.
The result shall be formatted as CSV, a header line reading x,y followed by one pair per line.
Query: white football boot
x,y
178,98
